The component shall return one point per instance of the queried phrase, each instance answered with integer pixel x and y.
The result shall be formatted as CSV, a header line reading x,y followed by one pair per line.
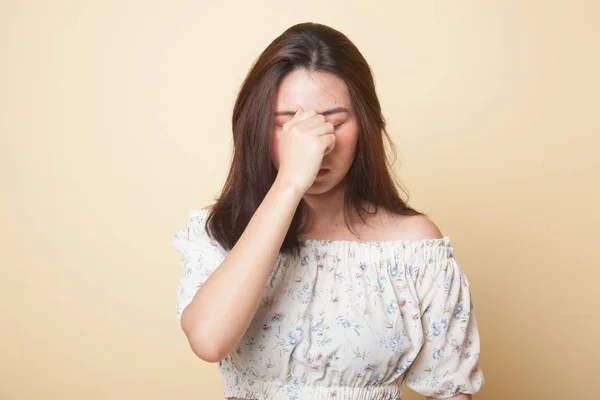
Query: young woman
x,y
310,278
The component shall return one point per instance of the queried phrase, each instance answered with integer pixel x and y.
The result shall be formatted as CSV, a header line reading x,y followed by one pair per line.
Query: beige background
x,y
115,121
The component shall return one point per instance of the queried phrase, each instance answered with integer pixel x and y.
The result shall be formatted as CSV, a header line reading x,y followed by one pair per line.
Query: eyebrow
x,y
327,112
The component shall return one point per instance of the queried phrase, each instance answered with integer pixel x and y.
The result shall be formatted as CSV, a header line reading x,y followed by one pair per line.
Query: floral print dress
x,y
347,320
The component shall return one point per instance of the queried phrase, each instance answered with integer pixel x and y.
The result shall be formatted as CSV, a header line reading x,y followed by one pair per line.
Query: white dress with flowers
x,y
347,320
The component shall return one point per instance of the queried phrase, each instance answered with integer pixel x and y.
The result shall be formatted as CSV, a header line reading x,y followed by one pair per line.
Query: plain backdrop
x,y
115,122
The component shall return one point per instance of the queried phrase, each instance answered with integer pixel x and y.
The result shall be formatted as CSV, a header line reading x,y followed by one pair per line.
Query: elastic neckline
x,y
431,241
444,240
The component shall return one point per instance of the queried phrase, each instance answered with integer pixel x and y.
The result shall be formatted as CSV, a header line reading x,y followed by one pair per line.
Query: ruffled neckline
x,y
443,241
435,242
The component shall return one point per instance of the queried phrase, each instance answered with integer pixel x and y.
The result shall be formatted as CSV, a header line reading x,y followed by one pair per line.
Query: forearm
x,y
225,304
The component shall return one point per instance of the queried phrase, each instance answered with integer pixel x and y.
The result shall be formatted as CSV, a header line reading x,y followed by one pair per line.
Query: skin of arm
x,y
223,307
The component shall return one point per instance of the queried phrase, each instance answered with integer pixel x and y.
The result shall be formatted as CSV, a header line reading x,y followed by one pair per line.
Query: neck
x,y
326,209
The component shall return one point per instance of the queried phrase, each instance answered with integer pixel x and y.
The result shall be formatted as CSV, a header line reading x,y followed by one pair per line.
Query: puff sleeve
x,y
200,256
447,363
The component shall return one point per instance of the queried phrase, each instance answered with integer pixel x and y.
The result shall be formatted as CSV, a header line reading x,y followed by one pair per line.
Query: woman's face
x,y
321,92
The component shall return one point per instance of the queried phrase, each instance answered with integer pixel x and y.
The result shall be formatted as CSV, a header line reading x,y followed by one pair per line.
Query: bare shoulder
x,y
416,227
421,227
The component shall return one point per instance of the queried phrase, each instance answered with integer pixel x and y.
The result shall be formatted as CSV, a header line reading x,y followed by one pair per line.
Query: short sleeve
x,y
447,363
200,256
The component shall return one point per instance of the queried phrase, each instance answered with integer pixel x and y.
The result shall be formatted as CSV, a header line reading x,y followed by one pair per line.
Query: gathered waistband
x,y
261,390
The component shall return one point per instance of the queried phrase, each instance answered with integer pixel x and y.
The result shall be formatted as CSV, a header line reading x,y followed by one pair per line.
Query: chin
x,y
324,185
318,189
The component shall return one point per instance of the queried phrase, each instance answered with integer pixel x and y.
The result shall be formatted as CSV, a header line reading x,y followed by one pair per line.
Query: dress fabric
x,y
347,320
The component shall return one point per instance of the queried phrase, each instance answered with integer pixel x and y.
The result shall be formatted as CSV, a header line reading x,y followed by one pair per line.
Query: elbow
x,y
206,344
207,351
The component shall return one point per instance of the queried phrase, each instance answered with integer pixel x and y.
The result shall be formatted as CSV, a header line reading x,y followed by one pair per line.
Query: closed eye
x,y
278,126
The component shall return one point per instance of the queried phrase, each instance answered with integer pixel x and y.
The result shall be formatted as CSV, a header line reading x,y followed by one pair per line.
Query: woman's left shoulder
x,y
415,227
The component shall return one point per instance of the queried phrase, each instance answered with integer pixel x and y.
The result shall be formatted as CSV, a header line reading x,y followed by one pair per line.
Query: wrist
x,y
287,189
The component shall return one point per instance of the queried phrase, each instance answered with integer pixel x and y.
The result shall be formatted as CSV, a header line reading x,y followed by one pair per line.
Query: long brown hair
x,y
314,47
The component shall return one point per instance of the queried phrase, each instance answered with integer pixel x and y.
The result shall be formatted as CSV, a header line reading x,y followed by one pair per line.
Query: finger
x,y
290,123
294,120
309,123
302,115
321,129
328,142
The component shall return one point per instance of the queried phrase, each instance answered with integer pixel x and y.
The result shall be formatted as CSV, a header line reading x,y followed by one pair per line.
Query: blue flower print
x,y
392,307
438,329
294,335
305,294
382,281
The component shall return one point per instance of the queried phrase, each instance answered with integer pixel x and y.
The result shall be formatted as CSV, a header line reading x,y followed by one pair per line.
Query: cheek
x,y
346,143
